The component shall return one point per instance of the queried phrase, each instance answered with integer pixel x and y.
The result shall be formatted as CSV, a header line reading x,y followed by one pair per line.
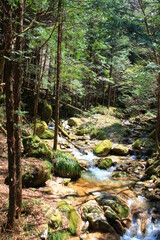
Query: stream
x,y
135,232
142,227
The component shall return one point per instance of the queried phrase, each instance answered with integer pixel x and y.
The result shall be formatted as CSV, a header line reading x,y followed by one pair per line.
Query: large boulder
x,y
45,111
35,147
66,166
47,134
120,150
115,211
103,148
35,173
74,122
92,212
42,130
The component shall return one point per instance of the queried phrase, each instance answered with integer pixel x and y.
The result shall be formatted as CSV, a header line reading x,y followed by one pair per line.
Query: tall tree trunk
x,y
58,73
17,105
37,94
109,88
8,77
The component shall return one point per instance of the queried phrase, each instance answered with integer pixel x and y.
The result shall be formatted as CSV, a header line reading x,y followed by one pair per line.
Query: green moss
x,y
67,166
121,209
34,147
109,213
59,235
74,122
137,144
105,163
114,131
120,175
45,111
54,218
103,148
73,221
47,134
39,129
36,176
72,215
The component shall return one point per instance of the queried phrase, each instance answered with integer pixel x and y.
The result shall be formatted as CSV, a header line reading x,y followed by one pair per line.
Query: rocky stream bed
x,y
117,196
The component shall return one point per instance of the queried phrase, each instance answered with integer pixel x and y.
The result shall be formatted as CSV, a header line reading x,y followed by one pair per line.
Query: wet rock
x,y
120,150
105,163
100,236
103,148
74,122
92,212
115,210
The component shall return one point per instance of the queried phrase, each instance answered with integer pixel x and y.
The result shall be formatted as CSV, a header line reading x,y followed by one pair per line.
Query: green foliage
x,y
67,166
59,235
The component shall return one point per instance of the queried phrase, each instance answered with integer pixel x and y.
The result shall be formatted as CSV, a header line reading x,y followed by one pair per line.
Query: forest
x,y
80,119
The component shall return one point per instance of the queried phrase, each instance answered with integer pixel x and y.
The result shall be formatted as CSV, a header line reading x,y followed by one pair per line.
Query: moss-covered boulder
x,y
45,111
103,148
92,212
148,145
120,150
47,134
115,210
105,163
137,144
39,129
72,216
118,206
35,173
66,166
35,147
74,122
54,218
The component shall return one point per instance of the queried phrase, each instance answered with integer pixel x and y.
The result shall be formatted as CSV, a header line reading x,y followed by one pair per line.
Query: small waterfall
x,y
93,171
135,232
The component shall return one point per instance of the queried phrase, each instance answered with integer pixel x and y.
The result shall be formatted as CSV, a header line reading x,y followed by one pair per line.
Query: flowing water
x,y
136,232
141,228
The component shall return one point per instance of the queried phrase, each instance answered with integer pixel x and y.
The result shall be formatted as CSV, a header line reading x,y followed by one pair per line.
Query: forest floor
x,y
33,220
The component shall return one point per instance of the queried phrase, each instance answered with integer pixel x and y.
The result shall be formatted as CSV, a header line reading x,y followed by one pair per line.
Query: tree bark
x,y
8,77
109,88
58,73
18,77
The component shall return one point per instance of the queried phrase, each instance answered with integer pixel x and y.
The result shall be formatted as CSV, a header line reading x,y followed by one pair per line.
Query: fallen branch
x,y
3,130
